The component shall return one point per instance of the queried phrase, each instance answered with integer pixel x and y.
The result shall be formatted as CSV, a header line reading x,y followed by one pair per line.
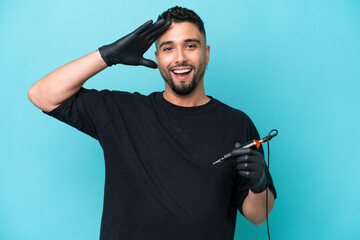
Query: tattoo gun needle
x,y
218,161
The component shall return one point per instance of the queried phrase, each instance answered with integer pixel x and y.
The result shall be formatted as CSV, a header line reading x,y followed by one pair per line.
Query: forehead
x,y
178,32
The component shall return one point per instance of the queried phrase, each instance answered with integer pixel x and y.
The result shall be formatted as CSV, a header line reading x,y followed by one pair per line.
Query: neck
x,y
194,99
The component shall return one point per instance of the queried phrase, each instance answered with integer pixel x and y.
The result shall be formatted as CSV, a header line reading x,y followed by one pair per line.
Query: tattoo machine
x,y
249,144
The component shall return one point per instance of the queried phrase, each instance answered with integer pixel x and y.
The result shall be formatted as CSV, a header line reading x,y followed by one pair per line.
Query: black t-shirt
x,y
159,181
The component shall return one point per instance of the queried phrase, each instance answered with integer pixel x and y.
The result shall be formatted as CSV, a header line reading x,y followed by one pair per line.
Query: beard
x,y
183,89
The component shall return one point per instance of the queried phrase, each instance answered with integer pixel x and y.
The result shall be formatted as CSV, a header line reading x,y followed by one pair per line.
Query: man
x,y
159,149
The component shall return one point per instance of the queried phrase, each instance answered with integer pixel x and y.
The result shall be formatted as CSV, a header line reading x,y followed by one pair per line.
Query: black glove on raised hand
x,y
251,165
129,50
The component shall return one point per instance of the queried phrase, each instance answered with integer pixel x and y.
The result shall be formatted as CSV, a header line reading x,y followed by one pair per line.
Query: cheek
x,y
163,68
164,61
201,60
198,57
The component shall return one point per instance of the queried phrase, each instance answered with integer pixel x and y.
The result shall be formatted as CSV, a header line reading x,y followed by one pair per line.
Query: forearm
x,y
59,85
254,206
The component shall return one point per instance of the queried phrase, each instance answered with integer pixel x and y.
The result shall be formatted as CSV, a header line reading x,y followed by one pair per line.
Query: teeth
x,y
179,71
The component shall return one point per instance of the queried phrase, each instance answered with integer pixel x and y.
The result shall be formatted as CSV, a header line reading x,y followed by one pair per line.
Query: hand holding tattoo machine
x,y
249,144
254,143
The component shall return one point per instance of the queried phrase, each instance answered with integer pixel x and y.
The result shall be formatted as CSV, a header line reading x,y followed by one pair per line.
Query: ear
x,y
157,56
207,53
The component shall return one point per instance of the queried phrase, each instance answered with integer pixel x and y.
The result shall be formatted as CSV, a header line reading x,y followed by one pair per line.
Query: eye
x,y
191,46
166,49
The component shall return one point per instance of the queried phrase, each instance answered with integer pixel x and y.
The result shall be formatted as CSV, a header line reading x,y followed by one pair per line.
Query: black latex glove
x,y
251,165
129,50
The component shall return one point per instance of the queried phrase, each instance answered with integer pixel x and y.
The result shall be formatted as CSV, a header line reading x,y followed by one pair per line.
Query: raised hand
x,y
130,49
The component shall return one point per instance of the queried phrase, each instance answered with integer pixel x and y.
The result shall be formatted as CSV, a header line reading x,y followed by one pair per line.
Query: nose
x,y
180,56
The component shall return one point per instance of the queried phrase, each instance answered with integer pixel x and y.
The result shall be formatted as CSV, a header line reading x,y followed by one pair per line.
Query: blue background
x,y
290,65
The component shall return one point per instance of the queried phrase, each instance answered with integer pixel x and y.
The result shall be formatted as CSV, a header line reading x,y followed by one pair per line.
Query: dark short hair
x,y
179,14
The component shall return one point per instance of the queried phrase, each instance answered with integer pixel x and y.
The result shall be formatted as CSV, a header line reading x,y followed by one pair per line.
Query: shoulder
x,y
228,111
239,123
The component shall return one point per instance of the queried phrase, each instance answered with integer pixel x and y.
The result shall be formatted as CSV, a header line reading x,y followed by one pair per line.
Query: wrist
x,y
105,56
260,185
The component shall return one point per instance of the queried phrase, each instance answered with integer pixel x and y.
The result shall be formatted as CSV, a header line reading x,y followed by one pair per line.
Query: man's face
x,y
182,57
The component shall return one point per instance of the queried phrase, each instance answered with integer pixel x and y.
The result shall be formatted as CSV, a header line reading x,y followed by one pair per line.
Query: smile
x,y
182,72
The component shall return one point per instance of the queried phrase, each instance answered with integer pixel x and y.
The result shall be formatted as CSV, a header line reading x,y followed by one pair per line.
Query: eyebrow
x,y
186,41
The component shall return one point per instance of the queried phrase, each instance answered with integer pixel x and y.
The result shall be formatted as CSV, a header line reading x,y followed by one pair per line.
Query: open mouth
x,y
182,73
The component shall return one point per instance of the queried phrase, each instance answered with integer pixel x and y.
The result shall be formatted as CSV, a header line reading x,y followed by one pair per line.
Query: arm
x,y
254,206
59,85
56,87
250,164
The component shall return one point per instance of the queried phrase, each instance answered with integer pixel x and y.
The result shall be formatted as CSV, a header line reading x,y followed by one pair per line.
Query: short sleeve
x,y
80,111
242,183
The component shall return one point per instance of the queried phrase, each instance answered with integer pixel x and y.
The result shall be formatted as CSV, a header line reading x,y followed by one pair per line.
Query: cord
x,y
267,172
